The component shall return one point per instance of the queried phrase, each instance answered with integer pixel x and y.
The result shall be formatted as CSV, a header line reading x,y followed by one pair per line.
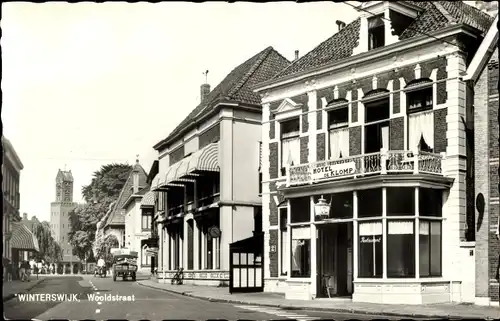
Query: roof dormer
x,y
382,22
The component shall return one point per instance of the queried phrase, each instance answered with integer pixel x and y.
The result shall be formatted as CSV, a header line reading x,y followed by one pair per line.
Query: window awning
x,y
23,239
148,200
156,184
205,160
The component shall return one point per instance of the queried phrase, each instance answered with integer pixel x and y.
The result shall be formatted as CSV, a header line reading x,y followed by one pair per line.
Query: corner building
x,y
208,181
372,123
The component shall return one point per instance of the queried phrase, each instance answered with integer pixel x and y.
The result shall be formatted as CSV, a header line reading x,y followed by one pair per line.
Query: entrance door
x,y
245,265
335,261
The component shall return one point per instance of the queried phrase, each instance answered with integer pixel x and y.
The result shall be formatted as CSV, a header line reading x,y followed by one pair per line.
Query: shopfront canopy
x,y
23,238
203,160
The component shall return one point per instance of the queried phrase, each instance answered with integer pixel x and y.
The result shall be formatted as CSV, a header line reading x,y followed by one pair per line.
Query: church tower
x,y
59,216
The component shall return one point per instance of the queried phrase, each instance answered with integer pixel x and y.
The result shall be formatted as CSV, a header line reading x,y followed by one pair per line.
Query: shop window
x,y
200,242
146,221
401,252
376,32
284,253
370,202
190,239
301,252
430,248
290,144
430,202
177,253
400,201
217,253
300,210
370,250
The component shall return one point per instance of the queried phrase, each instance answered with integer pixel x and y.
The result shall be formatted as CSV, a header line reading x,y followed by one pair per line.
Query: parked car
x,y
124,265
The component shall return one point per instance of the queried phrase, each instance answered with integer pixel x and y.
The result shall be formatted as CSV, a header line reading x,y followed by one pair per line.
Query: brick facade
x,y
273,160
355,141
486,130
273,209
396,132
320,146
273,255
440,128
304,149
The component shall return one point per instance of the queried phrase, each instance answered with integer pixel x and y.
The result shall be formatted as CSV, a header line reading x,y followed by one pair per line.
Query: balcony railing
x,y
383,162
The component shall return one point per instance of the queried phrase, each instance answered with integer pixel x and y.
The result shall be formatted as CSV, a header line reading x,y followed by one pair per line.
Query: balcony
x,y
380,163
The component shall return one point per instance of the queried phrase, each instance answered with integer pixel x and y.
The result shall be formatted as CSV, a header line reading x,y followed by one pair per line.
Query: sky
x,y
90,84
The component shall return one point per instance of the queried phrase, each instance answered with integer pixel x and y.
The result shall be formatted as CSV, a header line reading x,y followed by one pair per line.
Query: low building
x,y
115,220
138,219
208,181
365,159
30,223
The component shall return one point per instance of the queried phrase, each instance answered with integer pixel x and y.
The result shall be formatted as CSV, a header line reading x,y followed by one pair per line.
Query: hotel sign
x,y
319,171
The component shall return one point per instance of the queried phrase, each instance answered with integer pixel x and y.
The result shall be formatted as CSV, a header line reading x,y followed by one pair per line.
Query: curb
x,y
13,295
291,307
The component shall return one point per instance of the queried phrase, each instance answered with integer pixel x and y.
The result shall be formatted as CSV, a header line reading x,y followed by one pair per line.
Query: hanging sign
x,y
214,232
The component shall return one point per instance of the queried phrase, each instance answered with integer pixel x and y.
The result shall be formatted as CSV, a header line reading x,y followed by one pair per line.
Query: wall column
x,y
159,258
196,242
314,258
185,241
384,233
355,236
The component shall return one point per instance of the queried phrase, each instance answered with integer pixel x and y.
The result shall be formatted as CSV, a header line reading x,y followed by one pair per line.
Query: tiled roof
x,y
148,199
116,217
236,86
436,15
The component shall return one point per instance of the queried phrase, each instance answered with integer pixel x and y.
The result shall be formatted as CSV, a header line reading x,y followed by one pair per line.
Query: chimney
x,y
340,24
296,54
204,91
136,177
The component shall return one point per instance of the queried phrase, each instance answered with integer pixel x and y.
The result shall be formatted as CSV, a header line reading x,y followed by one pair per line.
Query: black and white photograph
x,y
250,161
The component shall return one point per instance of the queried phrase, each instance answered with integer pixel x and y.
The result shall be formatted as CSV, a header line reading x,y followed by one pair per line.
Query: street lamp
x,y
322,209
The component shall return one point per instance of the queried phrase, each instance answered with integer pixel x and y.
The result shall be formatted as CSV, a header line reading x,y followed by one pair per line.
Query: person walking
x,y
22,270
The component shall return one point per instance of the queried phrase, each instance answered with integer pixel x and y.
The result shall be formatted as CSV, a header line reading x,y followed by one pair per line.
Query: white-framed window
x,y
420,119
376,32
377,115
290,143
338,132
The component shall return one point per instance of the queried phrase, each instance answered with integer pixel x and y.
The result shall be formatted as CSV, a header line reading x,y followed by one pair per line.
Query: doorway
x,y
335,260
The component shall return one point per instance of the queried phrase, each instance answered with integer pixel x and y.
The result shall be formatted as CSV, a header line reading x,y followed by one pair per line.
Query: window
x,y
300,210
290,144
370,250
257,219
419,100
376,126
401,252
301,252
284,253
208,250
376,32
145,258
338,120
189,193
430,248
430,202
400,201
146,221
370,202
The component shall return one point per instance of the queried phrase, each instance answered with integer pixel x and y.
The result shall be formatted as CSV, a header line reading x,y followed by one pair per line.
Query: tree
x,y
104,188
104,250
50,251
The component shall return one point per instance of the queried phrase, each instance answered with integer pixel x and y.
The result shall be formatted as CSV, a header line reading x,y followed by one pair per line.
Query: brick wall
x,y
272,127
440,128
273,209
304,150
273,255
320,146
273,160
355,141
210,136
396,131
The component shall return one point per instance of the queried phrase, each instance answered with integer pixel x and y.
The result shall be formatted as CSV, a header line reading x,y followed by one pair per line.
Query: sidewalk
x,y
10,289
216,294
